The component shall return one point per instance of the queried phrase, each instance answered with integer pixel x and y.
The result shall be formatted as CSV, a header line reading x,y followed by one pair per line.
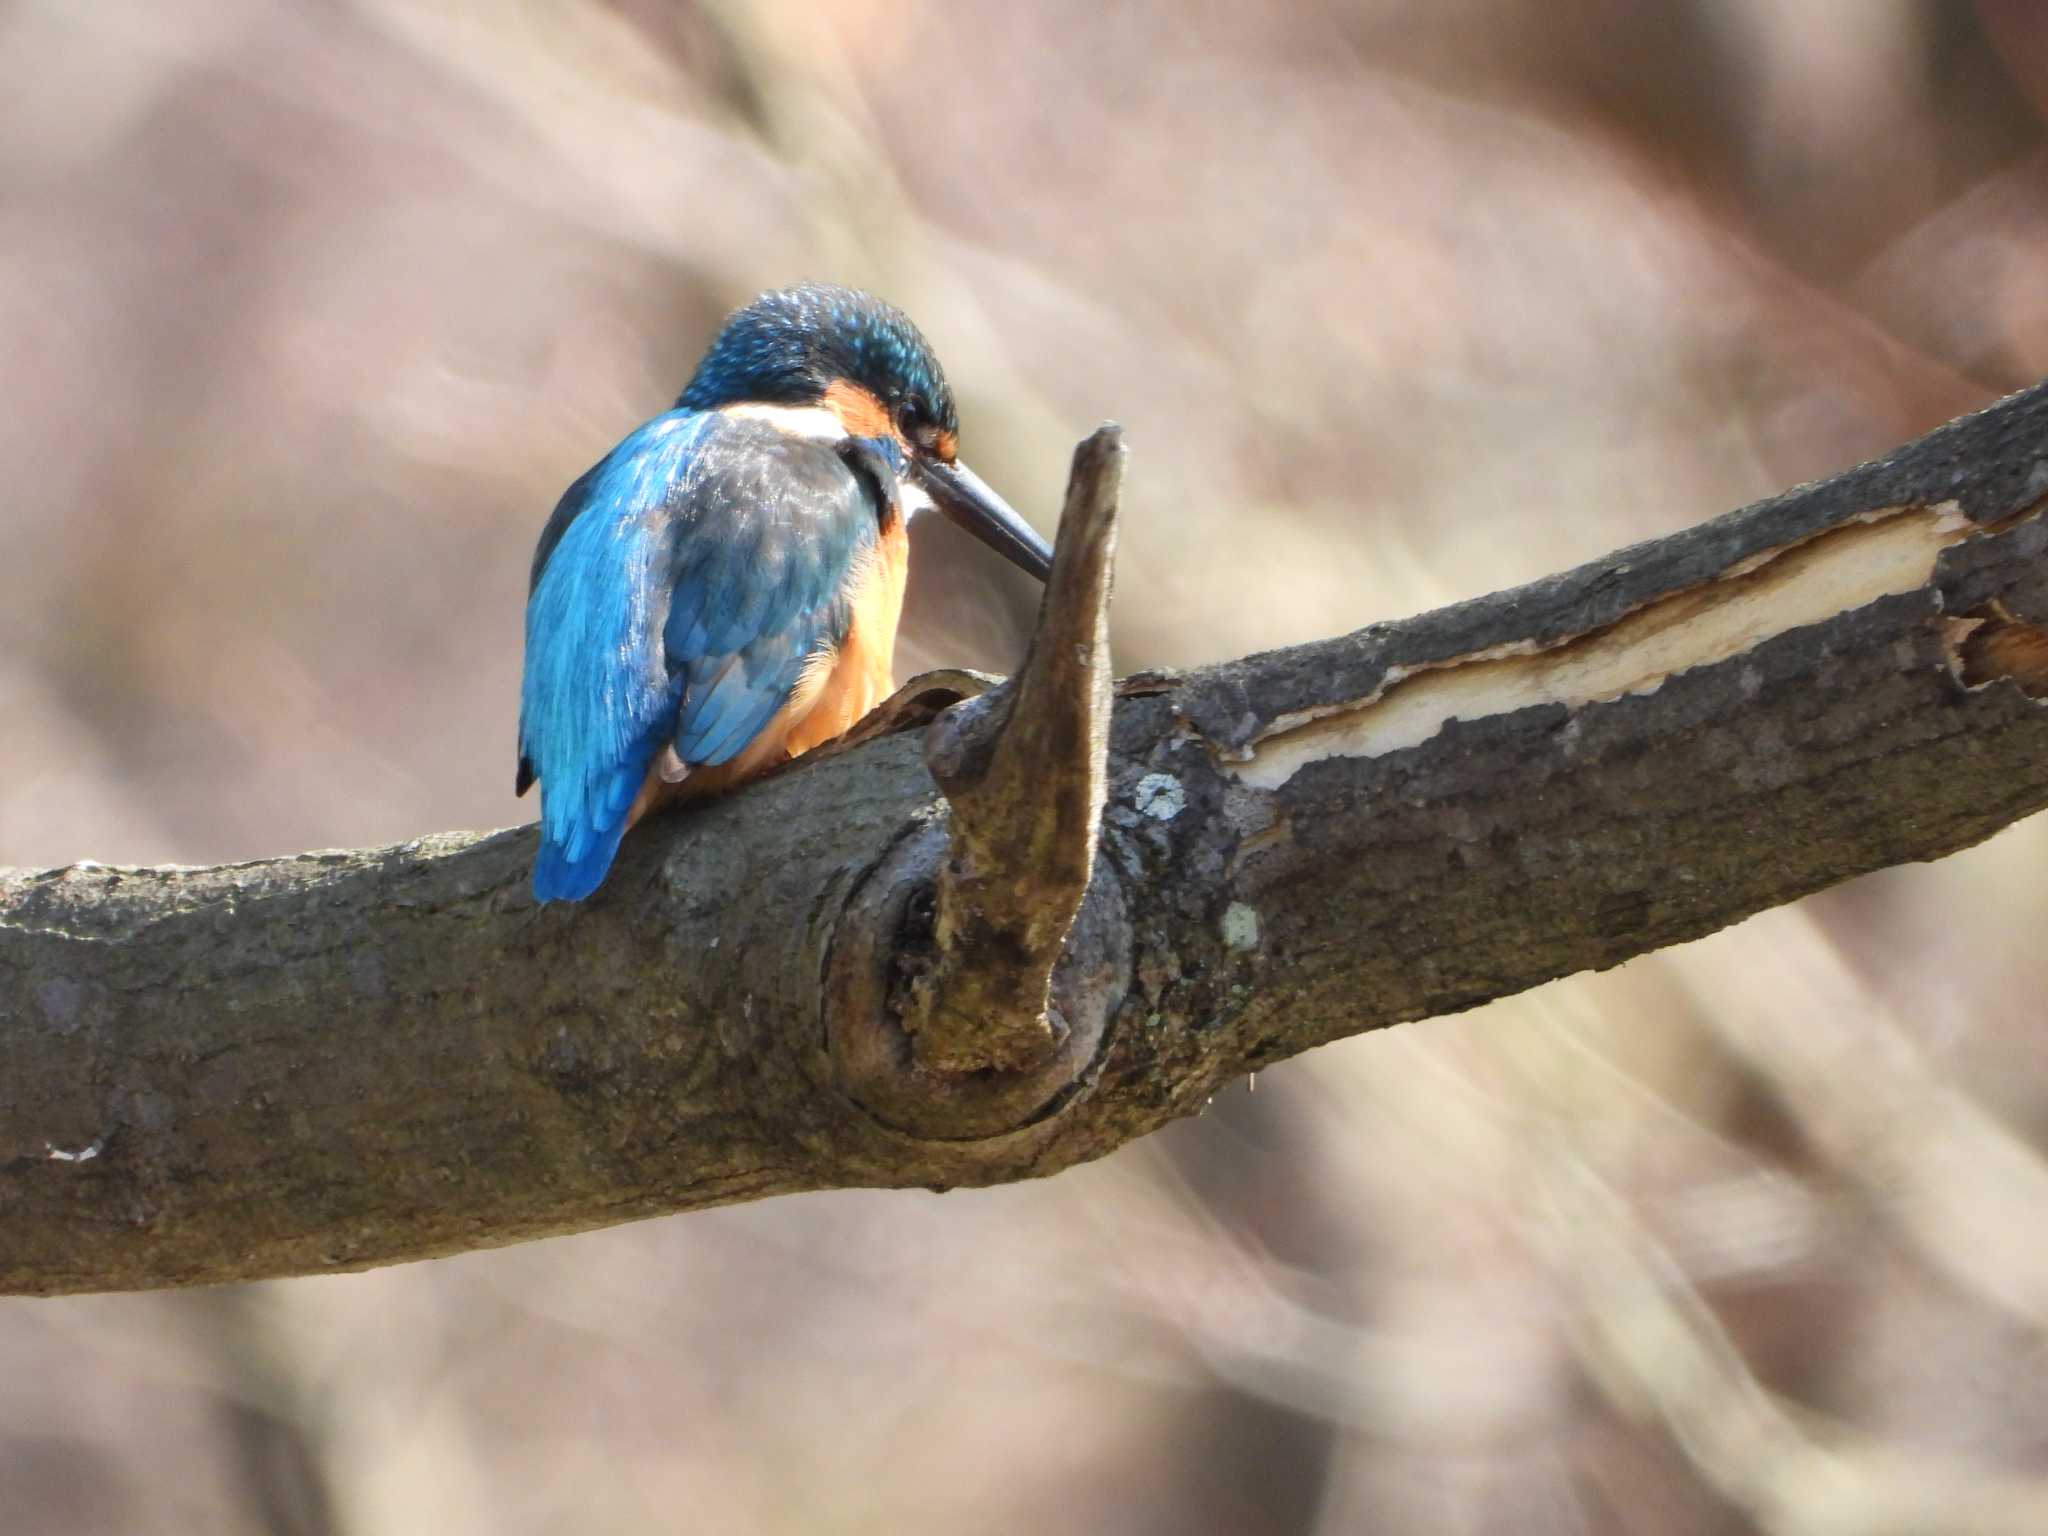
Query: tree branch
x,y
1024,770
345,1059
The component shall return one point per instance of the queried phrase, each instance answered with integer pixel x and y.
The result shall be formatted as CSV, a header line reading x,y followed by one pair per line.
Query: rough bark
x,y
1023,771
345,1059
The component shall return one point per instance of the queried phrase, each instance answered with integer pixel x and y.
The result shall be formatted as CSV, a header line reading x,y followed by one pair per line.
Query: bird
x,y
720,592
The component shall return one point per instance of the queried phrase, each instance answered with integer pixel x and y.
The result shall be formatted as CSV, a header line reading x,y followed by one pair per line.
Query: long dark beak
x,y
961,494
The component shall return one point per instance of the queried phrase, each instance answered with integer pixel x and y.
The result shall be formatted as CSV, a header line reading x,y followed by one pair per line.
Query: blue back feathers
x,y
678,592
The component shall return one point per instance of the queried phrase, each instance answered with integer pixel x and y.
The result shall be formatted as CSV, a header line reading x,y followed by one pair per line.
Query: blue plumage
x,y
787,347
680,590
693,584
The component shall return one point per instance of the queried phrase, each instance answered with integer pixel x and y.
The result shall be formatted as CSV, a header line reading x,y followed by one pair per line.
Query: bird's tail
x,y
577,849
564,872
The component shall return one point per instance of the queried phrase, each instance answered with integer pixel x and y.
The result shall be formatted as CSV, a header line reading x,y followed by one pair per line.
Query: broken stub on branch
x,y
974,976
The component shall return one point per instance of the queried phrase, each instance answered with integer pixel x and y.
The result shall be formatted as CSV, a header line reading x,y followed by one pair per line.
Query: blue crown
x,y
787,347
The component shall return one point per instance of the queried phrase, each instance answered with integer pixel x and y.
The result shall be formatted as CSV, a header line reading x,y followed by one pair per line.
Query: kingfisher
x,y
720,592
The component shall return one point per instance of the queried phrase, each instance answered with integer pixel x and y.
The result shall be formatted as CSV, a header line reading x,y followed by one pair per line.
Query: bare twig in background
x,y
345,1059
1654,1348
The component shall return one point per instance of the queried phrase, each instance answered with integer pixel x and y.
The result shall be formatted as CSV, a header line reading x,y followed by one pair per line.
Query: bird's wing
x,y
680,590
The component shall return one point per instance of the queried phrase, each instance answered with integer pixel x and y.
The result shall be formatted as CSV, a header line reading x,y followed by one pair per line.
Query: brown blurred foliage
x,y
309,308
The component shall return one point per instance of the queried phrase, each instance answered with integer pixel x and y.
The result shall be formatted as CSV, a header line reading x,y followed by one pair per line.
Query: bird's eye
x,y
909,416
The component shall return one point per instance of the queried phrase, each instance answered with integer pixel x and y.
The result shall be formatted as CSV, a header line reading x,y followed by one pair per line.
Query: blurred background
x,y
309,310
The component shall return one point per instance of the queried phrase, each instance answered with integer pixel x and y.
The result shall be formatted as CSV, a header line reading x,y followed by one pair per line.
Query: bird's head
x,y
858,368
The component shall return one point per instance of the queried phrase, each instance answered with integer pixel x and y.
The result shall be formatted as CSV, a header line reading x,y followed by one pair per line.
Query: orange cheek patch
x,y
946,445
858,410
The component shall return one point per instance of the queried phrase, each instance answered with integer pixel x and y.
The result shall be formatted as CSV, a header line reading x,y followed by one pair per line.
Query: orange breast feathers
x,y
838,687
856,676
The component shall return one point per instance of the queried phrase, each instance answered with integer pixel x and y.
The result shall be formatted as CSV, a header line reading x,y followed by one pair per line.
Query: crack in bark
x,y
1876,554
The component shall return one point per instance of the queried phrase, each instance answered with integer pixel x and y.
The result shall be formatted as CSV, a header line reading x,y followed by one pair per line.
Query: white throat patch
x,y
815,422
911,497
